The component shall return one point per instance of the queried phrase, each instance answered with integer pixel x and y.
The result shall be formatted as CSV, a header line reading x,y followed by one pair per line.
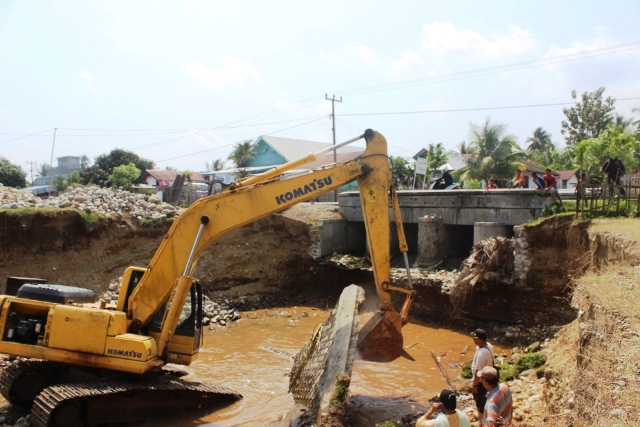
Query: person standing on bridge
x,y
492,185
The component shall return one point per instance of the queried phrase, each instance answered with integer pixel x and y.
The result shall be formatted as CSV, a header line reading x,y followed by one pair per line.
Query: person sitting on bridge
x,y
537,180
492,185
519,181
551,185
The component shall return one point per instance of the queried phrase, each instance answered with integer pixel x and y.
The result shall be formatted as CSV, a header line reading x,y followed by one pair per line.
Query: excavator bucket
x,y
380,339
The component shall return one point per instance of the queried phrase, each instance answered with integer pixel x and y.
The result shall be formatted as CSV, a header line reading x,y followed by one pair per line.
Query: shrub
x,y
531,361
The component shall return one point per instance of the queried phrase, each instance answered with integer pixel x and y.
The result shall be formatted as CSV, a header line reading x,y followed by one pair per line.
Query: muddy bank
x,y
270,263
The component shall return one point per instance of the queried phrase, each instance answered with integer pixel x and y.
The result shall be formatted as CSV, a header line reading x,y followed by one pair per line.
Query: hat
x,y
479,333
489,373
448,399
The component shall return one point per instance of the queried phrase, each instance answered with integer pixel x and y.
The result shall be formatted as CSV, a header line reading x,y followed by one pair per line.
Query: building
x,y
568,180
66,166
272,151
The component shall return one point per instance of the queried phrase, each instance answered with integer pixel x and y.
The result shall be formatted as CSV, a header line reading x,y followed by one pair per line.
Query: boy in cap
x,y
447,414
483,357
499,407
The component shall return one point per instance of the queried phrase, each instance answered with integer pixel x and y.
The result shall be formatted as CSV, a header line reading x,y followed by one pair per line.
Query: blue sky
x,y
180,82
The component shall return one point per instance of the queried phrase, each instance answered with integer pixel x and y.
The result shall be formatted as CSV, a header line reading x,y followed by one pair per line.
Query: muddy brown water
x,y
253,356
250,357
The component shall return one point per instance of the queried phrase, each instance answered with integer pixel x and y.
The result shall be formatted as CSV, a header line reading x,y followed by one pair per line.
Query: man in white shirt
x,y
483,357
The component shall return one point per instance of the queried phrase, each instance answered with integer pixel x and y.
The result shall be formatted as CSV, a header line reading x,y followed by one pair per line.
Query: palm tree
x,y
637,122
540,141
242,153
494,154
43,170
540,146
217,165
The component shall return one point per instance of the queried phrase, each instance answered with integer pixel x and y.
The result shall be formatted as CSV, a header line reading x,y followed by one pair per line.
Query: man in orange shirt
x,y
519,181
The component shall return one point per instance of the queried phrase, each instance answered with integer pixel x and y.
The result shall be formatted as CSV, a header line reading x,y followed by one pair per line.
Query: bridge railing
x,y
609,200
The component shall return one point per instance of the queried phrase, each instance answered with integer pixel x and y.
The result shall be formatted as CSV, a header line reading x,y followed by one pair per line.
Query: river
x,y
250,356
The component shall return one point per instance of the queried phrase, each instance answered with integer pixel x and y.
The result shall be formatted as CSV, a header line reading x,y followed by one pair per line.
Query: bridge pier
x,y
431,234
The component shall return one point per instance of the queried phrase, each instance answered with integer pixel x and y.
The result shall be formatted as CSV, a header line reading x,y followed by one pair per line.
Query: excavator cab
x,y
184,346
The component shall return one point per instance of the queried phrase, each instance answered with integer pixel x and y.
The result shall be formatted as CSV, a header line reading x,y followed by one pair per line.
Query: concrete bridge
x,y
437,223
459,207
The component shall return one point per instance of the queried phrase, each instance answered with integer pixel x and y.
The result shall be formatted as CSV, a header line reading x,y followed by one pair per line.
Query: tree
x,y
401,169
105,164
242,153
436,156
217,165
12,175
613,142
587,118
636,123
540,146
43,170
124,176
494,154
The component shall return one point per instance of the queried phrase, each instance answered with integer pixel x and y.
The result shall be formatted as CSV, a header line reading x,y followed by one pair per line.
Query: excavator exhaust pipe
x,y
380,339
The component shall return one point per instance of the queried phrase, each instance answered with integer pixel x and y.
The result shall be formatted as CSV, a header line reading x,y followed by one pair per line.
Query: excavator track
x,y
74,405
23,380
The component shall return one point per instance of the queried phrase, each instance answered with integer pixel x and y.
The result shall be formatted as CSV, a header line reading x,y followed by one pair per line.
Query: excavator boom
x,y
252,199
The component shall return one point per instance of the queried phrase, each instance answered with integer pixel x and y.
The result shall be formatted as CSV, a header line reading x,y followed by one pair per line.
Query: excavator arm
x,y
168,276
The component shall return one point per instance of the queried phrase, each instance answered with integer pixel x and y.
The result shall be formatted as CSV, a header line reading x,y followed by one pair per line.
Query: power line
x,y
495,69
454,110
26,136
228,145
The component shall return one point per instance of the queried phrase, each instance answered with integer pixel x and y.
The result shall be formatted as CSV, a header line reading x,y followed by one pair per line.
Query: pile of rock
x,y
219,313
214,312
92,199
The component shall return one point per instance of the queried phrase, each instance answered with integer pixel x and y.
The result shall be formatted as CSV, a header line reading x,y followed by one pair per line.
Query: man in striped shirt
x,y
499,406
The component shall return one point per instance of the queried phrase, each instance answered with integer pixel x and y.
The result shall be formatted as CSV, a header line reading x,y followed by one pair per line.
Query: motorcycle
x,y
441,184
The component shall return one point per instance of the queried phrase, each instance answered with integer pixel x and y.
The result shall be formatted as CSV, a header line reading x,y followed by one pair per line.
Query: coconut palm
x,y
242,153
217,165
540,146
540,141
494,154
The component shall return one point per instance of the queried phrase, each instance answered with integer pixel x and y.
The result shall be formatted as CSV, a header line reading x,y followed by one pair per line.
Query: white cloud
x,y
406,61
89,82
365,53
442,38
234,71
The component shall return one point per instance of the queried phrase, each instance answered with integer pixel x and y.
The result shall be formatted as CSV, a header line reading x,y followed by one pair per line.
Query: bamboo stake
x,y
444,374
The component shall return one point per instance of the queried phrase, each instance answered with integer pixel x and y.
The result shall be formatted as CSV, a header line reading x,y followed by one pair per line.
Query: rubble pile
x,y
92,199
219,313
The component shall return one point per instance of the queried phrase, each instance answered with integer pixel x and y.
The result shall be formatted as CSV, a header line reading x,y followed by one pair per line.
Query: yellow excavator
x,y
76,364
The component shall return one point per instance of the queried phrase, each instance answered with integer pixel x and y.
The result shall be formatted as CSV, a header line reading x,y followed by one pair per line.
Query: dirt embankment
x,y
267,263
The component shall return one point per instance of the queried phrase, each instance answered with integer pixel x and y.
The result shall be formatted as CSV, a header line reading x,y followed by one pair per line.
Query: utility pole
x,y
333,128
53,144
31,167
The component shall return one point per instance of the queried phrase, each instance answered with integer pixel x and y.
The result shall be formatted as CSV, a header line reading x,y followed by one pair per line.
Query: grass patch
x,y
629,228
391,424
531,361
616,287
92,220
